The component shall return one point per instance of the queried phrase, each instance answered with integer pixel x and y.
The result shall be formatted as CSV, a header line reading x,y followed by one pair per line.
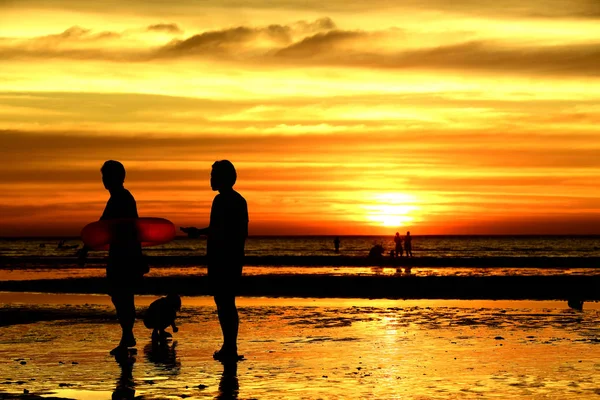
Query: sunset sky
x,y
341,117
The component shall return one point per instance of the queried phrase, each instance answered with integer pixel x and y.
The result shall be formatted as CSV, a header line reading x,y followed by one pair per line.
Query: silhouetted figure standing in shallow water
x,y
336,243
227,233
398,241
408,244
125,267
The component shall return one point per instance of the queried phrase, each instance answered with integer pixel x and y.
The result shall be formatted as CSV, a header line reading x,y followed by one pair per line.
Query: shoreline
x,y
511,287
10,262
31,307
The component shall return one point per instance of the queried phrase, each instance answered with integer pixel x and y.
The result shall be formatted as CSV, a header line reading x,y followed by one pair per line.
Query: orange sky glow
x,y
341,117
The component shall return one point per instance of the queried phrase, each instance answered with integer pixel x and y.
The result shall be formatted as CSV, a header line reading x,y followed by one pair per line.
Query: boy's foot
x,y
120,352
165,335
224,355
125,343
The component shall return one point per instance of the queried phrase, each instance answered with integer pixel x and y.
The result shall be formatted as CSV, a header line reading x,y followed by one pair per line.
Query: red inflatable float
x,y
149,232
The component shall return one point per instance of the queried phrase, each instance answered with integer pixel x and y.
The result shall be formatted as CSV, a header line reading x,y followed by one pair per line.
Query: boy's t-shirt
x,y
125,251
228,231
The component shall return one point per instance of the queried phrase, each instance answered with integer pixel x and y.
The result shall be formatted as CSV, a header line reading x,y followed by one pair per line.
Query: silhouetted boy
x,y
408,244
125,267
398,241
227,233
161,314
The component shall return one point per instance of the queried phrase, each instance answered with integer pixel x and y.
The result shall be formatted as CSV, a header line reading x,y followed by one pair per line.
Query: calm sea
x,y
424,246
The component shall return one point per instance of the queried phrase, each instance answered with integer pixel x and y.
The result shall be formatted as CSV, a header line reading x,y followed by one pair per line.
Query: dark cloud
x,y
319,25
73,43
329,47
75,33
319,44
27,151
225,41
169,28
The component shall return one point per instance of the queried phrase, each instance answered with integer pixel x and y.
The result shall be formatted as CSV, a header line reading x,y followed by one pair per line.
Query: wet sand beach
x,y
307,349
562,286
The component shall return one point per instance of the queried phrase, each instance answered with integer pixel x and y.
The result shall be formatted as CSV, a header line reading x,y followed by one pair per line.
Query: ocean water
x,y
355,246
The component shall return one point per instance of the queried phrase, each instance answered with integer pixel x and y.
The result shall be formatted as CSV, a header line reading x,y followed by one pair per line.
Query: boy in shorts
x,y
227,233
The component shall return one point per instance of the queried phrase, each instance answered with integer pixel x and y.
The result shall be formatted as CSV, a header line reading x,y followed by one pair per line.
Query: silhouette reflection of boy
x,y
227,233
398,241
125,387
125,267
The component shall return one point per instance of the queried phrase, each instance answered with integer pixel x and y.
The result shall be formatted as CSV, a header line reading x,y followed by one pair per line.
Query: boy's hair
x,y
174,300
225,171
114,170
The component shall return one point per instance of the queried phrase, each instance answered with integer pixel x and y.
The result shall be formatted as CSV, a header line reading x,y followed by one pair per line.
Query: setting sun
x,y
391,209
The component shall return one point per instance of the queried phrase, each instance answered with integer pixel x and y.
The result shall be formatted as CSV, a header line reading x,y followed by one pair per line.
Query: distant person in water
x,y
61,246
160,315
227,233
408,244
125,267
398,241
336,243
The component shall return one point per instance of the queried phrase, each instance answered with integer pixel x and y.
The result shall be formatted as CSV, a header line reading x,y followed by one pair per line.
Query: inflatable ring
x,y
100,235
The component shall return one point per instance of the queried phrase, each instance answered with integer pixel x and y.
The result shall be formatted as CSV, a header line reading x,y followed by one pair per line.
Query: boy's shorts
x,y
224,280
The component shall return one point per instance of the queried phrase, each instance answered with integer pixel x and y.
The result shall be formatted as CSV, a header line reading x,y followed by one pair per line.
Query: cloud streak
x,y
169,28
297,45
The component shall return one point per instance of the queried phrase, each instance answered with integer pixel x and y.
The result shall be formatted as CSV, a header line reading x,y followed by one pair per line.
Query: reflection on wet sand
x,y
164,356
125,388
229,386
312,349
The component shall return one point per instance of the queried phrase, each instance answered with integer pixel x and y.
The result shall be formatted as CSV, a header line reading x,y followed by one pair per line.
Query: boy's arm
x,y
175,329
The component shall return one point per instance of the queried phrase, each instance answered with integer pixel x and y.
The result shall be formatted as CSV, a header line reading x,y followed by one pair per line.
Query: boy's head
x,y
223,175
113,174
174,300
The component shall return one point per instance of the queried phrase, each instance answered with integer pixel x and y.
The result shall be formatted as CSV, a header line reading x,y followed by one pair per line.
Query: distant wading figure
x,y
227,235
336,244
398,241
126,266
408,244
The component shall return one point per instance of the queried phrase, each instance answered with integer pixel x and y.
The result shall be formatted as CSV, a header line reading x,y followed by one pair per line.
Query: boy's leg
x,y
124,304
229,320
